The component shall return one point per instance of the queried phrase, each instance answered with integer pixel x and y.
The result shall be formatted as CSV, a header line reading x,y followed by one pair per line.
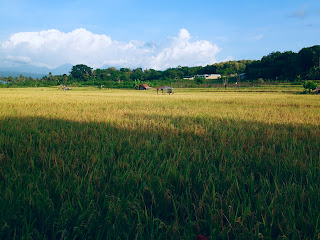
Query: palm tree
x,y
137,83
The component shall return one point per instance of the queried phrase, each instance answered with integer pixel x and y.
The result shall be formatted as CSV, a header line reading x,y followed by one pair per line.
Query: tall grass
x,y
104,164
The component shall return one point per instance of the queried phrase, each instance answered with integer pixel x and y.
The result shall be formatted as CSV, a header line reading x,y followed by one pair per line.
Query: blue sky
x,y
153,34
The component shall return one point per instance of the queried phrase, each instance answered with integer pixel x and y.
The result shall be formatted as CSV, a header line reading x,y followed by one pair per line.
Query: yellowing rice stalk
x,y
108,164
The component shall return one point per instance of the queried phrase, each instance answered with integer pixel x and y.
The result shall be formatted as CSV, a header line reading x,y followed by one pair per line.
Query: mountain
x,y
33,71
63,69
17,74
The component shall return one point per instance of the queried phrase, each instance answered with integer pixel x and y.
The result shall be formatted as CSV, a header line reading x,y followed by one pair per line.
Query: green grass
x,y
119,164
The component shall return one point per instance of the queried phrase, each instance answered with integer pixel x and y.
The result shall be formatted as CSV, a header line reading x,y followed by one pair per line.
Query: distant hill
x,y
33,71
63,69
17,74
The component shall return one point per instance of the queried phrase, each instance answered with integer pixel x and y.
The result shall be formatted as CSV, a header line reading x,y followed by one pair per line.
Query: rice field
x,y
125,164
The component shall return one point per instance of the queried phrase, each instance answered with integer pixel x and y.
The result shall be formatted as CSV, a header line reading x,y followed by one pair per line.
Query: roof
x,y
145,85
164,87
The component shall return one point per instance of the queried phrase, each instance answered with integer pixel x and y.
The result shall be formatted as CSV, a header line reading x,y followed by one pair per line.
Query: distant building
x,y
205,76
209,76
318,90
144,87
242,76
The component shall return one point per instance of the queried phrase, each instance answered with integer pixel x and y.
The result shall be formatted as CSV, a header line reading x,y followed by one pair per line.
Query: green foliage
x,y
286,65
199,80
310,85
137,74
81,72
137,83
298,79
314,73
231,67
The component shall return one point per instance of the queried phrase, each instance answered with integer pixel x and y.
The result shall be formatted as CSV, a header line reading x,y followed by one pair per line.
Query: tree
x,y
50,78
10,79
199,80
310,85
137,74
137,83
125,69
313,73
309,57
152,74
21,78
64,79
125,76
81,72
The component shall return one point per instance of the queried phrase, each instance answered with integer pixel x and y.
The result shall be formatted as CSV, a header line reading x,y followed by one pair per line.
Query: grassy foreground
x,y
120,164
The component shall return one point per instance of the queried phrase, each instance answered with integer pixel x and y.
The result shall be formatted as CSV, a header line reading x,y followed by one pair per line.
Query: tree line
x,y
276,66
289,66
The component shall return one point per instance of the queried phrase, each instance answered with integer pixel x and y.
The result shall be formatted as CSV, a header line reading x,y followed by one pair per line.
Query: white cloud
x,y
182,51
18,59
53,48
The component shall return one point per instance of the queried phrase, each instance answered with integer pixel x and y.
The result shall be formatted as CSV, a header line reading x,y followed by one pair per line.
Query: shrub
x,y
199,80
310,85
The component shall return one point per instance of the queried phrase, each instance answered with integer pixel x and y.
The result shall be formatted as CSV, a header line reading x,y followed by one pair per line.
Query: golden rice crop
x,y
108,164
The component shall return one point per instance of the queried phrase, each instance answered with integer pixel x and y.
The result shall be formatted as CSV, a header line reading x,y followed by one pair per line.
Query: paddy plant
x,y
115,164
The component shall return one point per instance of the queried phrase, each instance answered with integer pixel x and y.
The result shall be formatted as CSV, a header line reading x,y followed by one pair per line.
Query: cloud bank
x,y
52,48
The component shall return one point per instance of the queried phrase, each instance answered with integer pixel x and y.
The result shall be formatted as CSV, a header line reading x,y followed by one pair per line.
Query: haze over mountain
x,y
29,70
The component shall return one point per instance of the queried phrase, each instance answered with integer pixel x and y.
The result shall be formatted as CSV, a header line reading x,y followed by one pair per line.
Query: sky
x,y
152,34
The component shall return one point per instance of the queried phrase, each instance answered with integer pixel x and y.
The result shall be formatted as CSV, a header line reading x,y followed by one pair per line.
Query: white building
x,y
209,76
205,76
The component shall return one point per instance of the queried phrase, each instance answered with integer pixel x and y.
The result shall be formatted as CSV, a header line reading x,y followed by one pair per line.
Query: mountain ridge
x,y
27,70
